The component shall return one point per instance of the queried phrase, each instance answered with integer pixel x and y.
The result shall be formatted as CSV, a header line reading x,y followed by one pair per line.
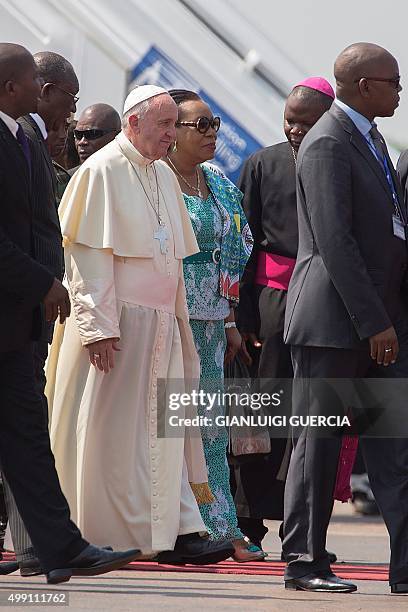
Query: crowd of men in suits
x,y
50,131
41,92
345,312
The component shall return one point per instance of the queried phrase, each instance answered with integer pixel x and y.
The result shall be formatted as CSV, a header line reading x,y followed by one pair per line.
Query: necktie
x,y
23,142
378,143
381,149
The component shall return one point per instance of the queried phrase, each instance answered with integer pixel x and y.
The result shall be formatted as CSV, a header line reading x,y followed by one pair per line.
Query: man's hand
x,y
57,301
253,340
101,354
384,347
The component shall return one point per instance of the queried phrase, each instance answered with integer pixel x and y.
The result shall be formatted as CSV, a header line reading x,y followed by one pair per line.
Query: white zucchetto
x,y
141,93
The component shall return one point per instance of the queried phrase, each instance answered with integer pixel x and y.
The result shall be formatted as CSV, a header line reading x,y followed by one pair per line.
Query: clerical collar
x,y
131,152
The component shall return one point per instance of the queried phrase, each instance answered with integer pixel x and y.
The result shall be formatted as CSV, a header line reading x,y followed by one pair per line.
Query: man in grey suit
x,y
344,316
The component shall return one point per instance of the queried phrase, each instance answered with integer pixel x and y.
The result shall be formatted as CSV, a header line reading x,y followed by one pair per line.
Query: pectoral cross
x,y
162,236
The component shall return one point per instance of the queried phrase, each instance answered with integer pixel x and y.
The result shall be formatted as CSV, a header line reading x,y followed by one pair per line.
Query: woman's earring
x,y
175,146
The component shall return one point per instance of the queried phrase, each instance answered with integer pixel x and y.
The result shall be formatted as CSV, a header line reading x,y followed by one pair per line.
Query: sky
x,y
313,32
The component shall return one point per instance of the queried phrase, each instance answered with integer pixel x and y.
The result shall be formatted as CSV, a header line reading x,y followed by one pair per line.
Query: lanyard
x,y
383,161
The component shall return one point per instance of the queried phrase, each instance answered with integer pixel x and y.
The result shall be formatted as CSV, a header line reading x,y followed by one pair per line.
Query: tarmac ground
x,y
355,539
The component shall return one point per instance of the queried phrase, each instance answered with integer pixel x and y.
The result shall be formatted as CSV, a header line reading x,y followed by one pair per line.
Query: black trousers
x,y
40,354
28,463
275,358
313,466
261,494
22,544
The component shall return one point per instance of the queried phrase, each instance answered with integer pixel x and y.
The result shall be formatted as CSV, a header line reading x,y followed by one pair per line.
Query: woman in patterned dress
x,y
212,286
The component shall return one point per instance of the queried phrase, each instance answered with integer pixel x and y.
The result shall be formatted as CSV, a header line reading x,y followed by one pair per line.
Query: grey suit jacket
x,y
346,285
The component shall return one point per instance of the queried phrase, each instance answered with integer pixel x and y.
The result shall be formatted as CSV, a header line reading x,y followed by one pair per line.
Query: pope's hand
x,y
101,354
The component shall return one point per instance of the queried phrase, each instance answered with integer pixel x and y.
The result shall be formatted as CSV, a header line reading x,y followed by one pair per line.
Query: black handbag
x,y
244,440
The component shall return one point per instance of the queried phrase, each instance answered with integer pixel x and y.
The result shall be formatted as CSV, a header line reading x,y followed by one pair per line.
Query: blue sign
x,y
234,143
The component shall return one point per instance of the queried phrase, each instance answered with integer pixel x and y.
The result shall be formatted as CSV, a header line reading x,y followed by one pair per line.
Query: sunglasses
x,y
202,124
395,81
91,134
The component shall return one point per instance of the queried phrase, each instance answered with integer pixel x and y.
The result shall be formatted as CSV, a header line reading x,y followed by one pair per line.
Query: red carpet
x,y
265,568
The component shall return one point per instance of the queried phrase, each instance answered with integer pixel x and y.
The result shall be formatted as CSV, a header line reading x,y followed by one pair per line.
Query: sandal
x,y
246,551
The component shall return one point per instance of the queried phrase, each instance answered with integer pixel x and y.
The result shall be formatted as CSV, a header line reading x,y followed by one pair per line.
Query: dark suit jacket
x,y
268,182
347,280
23,281
46,227
402,171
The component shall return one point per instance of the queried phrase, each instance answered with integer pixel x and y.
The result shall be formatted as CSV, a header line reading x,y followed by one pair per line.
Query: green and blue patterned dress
x,y
208,309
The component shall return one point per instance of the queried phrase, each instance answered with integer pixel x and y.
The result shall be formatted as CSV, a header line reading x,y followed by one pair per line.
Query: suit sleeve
x,y
325,178
248,311
402,171
92,291
21,275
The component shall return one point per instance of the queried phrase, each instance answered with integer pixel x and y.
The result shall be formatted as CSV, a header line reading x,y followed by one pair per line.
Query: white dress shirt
x,y
10,122
363,124
41,124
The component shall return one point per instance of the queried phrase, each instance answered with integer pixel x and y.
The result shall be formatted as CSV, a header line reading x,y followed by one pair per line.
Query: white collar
x,y
10,122
41,124
363,124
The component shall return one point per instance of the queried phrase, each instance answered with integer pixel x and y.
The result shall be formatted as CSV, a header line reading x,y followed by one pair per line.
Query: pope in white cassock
x,y
126,231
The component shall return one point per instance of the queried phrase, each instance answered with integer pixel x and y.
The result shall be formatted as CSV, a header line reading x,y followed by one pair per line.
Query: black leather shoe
x,y
8,567
30,568
332,557
91,562
328,583
193,549
399,587
33,567
363,505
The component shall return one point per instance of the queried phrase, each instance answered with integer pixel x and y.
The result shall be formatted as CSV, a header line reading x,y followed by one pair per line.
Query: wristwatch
x,y
229,324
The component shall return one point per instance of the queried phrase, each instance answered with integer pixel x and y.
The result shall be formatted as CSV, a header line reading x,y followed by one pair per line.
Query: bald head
x,y
364,74
19,84
357,60
100,116
97,126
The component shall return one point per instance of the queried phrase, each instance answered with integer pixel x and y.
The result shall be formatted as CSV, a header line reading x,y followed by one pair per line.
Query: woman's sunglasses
x,y
202,124
91,134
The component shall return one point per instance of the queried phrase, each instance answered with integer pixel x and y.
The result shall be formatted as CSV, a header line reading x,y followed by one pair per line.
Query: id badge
x,y
398,228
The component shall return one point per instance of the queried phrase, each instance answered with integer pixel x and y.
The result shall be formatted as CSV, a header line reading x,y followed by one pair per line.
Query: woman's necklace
x,y
196,189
